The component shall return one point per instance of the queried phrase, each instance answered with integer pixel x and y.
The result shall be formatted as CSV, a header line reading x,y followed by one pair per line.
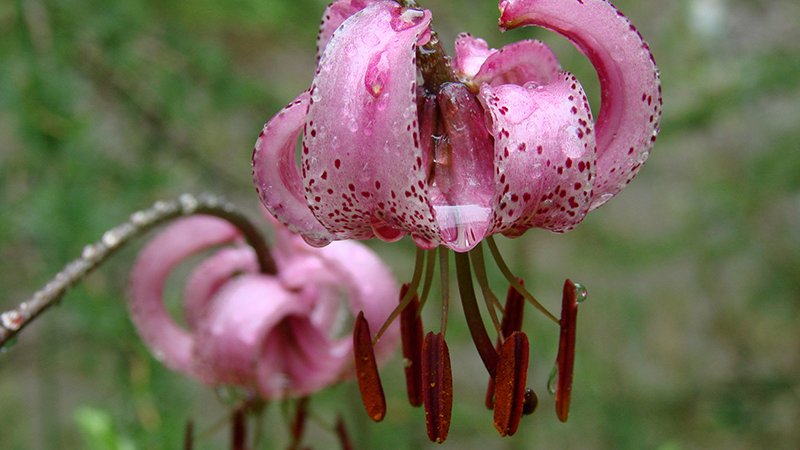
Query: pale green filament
x,y
513,281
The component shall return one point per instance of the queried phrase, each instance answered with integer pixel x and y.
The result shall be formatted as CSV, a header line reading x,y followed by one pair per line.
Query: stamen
x,y
238,429
341,433
512,321
411,335
444,281
501,264
438,382
188,435
476,255
430,265
298,424
412,290
565,361
369,381
444,263
512,373
473,315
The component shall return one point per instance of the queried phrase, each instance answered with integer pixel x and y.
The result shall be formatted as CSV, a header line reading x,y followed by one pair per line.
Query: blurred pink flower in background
x,y
279,335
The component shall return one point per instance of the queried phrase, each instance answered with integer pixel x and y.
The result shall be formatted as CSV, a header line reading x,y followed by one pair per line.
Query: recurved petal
x,y
336,13
297,359
630,110
361,163
168,342
210,276
370,286
470,54
544,154
528,61
229,337
276,175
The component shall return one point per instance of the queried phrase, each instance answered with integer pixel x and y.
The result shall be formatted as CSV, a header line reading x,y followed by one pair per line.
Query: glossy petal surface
x,y
277,177
362,165
335,14
522,62
630,110
544,155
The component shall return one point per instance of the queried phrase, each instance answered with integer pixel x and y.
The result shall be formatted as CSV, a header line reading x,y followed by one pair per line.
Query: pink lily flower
x,y
509,143
278,335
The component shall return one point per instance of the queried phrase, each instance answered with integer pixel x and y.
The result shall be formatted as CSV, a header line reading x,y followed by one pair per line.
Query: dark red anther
x,y
530,403
411,333
512,321
565,361
299,421
238,429
510,379
341,433
188,435
437,381
369,381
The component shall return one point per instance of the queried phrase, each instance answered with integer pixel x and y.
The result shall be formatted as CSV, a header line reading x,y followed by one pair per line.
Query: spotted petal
x,y
544,154
522,62
630,111
276,175
361,163
470,54
336,13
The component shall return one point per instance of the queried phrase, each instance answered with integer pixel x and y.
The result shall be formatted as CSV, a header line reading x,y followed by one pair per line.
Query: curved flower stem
x,y
470,304
501,264
476,256
94,255
419,262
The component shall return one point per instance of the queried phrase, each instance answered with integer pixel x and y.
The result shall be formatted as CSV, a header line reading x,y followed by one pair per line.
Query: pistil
x,y
481,339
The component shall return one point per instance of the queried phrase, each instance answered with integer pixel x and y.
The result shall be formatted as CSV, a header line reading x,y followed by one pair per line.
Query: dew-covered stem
x,y
94,255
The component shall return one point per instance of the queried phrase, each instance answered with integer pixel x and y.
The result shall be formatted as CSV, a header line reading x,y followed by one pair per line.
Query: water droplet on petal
x,y
406,19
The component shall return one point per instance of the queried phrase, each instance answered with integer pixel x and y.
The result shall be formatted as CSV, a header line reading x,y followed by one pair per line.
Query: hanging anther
x,y
369,381
411,334
510,379
437,382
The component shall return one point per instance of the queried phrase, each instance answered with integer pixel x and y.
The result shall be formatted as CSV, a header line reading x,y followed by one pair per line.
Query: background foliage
x,y
690,337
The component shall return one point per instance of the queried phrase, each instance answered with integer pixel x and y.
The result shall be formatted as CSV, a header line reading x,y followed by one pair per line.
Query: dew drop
x,y
552,380
580,292
110,239
11,320
89,252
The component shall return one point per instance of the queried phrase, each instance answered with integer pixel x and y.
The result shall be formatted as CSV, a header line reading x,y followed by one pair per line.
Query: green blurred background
x,y
690,338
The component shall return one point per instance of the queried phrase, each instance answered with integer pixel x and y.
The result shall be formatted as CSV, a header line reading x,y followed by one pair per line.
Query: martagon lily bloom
x,y
276,335
494,141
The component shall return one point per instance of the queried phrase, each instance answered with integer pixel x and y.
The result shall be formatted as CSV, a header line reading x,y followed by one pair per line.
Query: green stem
x,y
470,304
501,264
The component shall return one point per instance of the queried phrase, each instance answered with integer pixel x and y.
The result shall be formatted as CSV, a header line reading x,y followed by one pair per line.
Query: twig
x,y
94,255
